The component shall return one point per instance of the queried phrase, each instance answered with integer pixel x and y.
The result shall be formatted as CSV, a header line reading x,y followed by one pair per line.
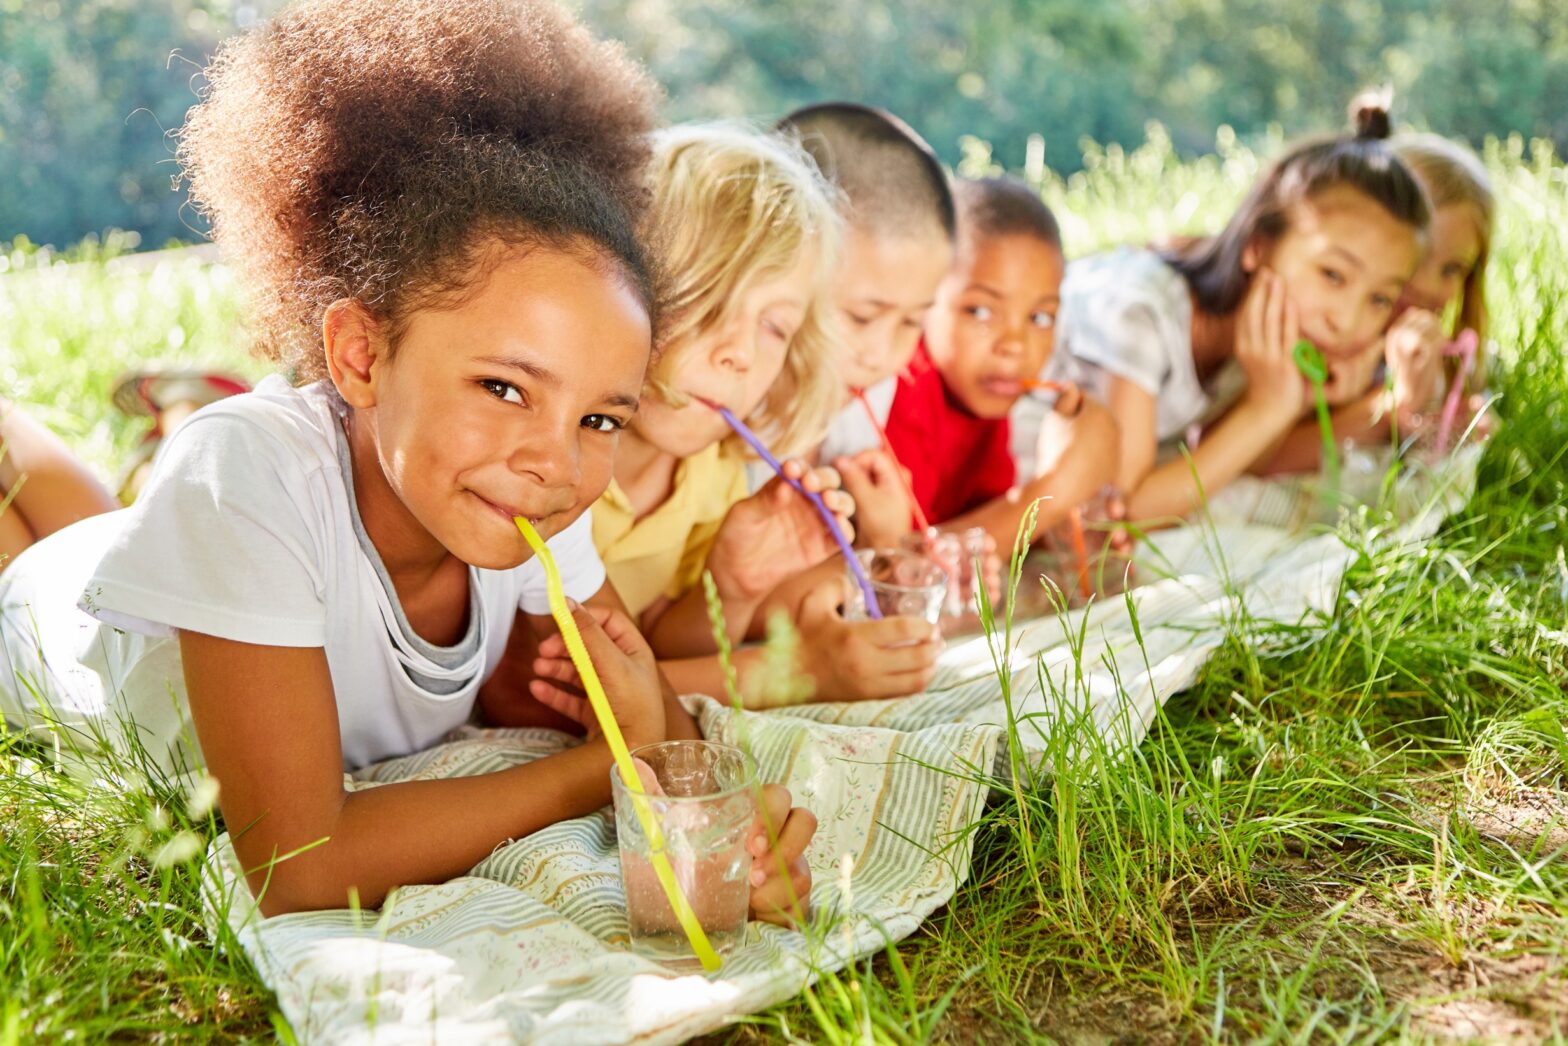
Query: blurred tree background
x,y
89,89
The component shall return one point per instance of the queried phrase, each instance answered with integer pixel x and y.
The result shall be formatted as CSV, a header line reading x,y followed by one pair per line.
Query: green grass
x,y
1351,829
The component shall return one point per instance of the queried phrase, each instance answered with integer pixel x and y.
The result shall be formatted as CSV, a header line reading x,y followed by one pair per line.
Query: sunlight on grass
x,y
1351,828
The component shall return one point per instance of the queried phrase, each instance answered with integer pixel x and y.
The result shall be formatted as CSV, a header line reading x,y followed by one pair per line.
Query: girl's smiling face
x,y
1455,241
509,403
733,364
1345,261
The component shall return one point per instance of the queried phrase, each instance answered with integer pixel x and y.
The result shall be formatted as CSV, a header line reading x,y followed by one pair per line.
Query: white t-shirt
x,y
247,531
1128,314
851,431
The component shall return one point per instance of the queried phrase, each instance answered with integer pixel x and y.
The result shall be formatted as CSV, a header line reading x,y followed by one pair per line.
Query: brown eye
x,y
503,390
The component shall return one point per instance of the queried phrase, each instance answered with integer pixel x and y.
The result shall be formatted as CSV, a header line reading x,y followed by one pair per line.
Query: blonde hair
x,y
1452,175
732,206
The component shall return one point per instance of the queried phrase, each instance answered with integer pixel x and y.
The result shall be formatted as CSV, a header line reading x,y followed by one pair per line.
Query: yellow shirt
x,y
663,554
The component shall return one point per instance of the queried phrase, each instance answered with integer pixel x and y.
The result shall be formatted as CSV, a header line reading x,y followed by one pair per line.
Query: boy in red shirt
x,y
988,336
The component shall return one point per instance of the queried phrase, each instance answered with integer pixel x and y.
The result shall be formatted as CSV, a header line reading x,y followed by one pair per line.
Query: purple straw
x,y
1464,347
855,568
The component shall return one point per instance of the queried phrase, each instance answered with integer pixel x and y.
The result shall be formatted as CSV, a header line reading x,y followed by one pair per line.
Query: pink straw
x,y
1464,347
921,521
855,568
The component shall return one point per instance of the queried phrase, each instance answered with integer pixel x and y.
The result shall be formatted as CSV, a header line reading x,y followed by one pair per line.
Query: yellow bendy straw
x,y
623,758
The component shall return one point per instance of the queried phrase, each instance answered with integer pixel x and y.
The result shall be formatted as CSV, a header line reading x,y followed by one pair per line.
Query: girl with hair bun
x,y
434,207
1202,333
1445,298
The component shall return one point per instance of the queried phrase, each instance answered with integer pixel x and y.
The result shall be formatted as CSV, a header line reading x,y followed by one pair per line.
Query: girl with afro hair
x,y
434,207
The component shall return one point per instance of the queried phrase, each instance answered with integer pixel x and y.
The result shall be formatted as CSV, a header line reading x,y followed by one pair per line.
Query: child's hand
x,y
625,665
1350,377
777,533
1120,537
991,569
1476,409
1069,400
956,554
780,876
1413,348
882,506
1266,336
863,660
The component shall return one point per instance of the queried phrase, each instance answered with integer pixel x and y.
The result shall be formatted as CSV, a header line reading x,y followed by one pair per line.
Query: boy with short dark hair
x,y
987,340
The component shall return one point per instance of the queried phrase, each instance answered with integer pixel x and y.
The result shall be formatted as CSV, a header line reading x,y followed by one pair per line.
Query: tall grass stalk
x,y
1353,827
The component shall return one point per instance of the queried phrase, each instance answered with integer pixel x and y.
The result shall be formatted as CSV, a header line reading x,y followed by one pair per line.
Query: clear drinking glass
x,y
905,583
1090,556
702,797
956,553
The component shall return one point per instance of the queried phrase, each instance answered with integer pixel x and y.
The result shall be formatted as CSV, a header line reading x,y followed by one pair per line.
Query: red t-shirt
x,y
956,461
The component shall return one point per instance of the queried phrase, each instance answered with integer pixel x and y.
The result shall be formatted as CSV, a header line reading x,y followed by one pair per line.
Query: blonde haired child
x,y
746,235
441,238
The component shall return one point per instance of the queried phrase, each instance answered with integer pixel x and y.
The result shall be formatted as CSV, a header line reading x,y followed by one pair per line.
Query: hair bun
x,y
1369,113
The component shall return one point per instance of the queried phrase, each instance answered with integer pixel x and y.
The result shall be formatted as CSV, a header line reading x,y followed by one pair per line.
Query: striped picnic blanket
x,y
530,944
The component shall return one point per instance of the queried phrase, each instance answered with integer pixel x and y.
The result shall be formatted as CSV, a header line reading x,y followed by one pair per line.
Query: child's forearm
x,y
683,628
1364,420
58,489
1083,467
1169,492
705,675
418,832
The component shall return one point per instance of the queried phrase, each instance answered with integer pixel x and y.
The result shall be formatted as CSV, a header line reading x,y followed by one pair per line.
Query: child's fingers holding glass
x,y
784,900
780,876
782,829
898,632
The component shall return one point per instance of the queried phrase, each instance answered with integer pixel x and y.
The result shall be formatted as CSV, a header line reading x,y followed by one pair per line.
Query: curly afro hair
x,y
370,150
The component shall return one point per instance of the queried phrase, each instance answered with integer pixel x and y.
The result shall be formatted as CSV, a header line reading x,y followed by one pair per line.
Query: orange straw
x,y
920,517
1075,517
1080,550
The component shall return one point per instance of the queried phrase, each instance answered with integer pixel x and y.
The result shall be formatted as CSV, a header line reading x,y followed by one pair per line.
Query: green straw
x,y
1315,369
